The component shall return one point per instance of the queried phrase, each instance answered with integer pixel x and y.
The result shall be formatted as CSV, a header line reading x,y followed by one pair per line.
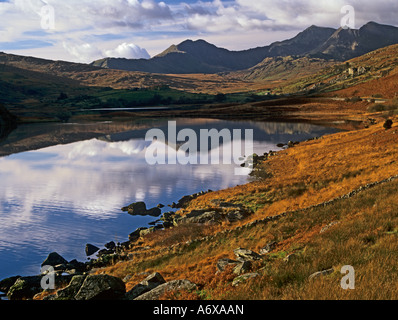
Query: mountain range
x,y
314,42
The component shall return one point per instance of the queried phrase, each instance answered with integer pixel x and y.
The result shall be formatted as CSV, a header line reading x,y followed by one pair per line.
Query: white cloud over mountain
x,y
129,51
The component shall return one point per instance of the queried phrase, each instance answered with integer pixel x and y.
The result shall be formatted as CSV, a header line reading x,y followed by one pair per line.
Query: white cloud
x,y
128,51
84,52
152,24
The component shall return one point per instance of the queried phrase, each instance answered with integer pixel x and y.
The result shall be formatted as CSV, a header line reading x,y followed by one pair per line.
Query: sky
x,y
86,30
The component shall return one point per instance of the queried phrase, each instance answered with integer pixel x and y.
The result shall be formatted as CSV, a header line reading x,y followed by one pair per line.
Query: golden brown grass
x,y
308,174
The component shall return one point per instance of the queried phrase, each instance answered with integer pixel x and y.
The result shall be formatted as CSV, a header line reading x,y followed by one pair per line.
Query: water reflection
x,y
61,197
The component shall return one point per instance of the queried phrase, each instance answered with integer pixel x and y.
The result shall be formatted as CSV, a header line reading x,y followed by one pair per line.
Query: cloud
x,y
128,51
84,52
151,23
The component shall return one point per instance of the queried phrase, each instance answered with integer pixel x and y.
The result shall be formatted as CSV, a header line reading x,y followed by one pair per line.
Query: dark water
x,y
60,197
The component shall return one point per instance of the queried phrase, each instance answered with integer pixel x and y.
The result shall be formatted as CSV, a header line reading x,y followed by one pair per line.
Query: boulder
x,y
101,287
151,282
200,216
110,245
238,280
91,249
139,209
176,285
268,248
25,288
69,292
7,283
223,263
242,267
134,236
246,255
54,259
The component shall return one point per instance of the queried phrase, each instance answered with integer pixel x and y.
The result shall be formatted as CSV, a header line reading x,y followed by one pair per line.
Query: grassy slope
x,y
379,79
311,173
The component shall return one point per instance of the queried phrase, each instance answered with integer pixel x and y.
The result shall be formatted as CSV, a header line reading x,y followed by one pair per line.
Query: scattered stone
x,y
134,236
70,291
268,248
110,245
242,267
150,283
7,283
321,273
176,285
246,255
200,216
223,263
325,228
238,280
139,209
54,259
144,232
101,287
91,249
25,288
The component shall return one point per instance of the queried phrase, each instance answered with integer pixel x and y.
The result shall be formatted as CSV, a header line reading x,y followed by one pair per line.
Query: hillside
x,y
371,75
314,208
283,68
202,57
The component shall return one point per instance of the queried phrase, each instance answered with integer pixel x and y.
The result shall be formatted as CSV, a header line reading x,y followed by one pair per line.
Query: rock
x,y
325,228
246,255
70,291
7,283
54,259
25,288
154,212
268,248
290,257
242,267
134,236
91,249
223,263
321,273
110,245
200,216
151,282
145,232
76,265
101,287
176,285
236,216
139,209
243,278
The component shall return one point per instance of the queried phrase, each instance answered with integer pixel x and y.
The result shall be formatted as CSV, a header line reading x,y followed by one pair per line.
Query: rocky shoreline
x,y
73,274
26,287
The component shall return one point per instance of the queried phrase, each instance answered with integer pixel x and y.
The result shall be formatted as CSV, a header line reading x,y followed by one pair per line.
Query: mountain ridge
x,y
315,42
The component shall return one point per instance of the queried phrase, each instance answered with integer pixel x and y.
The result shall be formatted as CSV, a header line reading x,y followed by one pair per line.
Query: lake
x,y
63,185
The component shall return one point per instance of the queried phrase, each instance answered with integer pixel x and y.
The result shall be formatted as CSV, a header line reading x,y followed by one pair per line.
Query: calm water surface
x,y
61,197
